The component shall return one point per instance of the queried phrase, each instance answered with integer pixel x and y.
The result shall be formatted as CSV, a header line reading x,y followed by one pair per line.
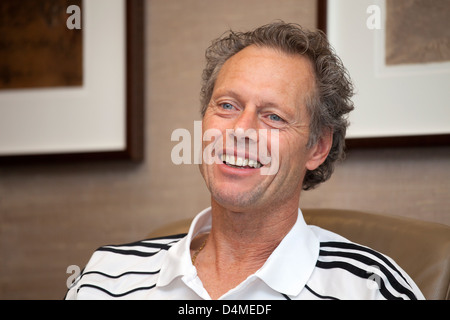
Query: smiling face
x,y
258,90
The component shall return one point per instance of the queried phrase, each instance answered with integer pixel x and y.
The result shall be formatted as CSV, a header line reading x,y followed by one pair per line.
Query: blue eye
x,y
274,117
227,106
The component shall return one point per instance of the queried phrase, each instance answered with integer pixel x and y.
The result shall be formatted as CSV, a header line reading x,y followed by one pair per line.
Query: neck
x,y
239,244
248,237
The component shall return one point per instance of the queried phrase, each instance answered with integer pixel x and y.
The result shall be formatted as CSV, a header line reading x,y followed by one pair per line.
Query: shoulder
x,y
144,253
364,272
116,270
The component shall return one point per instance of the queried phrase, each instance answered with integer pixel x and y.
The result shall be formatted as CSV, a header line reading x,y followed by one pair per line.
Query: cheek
x,y
293,152
209,132
212,122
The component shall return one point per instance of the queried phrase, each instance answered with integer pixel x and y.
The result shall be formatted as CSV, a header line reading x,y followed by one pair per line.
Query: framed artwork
x,y
398,56
72,92
37,49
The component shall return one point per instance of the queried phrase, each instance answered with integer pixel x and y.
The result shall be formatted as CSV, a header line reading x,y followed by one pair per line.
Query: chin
x,y
235,200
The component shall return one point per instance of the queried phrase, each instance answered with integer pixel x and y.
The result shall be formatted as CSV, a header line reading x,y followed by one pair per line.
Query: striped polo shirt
x,y
309,263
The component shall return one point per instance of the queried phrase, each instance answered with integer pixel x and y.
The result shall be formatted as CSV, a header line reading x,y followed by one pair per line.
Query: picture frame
x,y
126,136
344,22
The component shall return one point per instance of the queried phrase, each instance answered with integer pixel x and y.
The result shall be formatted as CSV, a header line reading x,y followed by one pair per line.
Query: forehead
x,y
269,72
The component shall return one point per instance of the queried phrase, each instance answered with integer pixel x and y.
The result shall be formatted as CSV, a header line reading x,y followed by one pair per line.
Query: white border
x,y
69,120
406,100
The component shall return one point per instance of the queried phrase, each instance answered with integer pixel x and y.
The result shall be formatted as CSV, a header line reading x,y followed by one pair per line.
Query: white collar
x,y
286,270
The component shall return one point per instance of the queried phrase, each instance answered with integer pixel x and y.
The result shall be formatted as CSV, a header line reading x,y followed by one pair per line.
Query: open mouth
x,y
239,162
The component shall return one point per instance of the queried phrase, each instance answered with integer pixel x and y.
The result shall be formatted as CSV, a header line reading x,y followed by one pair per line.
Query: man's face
x,y
259,88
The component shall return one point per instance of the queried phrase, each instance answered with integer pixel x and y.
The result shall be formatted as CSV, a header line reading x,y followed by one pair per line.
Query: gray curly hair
x,y
328,105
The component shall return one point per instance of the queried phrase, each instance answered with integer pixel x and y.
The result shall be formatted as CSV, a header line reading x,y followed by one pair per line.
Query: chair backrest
x,y
421,248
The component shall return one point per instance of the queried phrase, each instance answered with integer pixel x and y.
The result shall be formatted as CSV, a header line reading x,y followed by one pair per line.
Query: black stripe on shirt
x,y
319,295
149,243
164,246
370,262
115,295
359,273
130,252
393,281
161,246
122,274
354,246
285,296
175,236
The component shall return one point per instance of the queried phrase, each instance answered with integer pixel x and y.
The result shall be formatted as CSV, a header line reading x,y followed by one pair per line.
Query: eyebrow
x,y
232,93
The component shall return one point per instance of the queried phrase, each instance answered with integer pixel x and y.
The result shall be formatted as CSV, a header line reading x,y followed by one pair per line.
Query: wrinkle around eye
x,y
218,108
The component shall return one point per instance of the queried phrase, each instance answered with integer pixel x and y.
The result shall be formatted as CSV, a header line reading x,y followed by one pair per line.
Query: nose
x,y
248,119
244,135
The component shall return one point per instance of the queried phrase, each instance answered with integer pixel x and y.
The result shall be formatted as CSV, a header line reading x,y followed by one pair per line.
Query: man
x,y
282,89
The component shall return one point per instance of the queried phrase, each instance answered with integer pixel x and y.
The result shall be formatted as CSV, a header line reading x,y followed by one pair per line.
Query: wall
x,y
410,182
53,216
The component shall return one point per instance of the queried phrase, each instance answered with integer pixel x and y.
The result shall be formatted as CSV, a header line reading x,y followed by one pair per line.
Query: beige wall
x,y
53,216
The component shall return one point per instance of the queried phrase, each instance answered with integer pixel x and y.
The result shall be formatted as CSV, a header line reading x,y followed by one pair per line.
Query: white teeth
x,y
230,160
240,162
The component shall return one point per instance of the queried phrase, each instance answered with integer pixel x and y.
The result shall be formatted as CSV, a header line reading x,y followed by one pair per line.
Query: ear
x,y
319,152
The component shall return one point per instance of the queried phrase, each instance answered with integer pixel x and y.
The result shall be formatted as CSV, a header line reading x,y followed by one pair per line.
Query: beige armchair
x,y
421,248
